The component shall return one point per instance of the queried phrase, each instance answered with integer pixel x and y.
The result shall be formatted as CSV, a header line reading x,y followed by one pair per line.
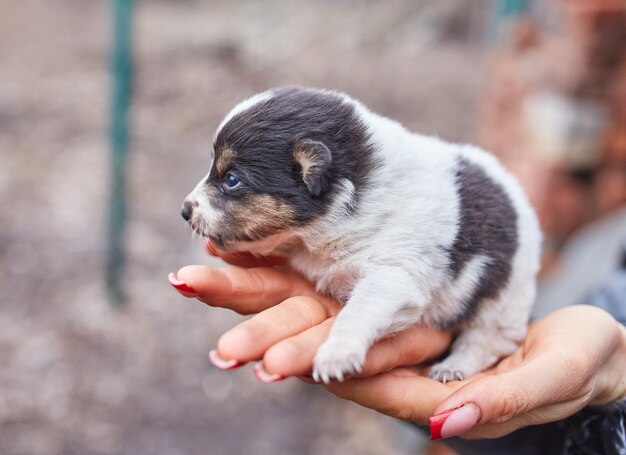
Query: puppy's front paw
x,y
336,359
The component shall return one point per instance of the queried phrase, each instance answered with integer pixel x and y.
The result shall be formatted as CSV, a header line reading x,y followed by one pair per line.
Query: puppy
x,y
400,228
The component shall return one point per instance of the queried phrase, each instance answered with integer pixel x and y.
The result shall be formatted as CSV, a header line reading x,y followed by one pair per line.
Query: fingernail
x,y
454,422
264,376
221,363
208,246
181,285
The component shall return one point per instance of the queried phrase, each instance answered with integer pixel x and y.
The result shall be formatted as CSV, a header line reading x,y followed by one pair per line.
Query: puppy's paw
x,y
448,370
336,359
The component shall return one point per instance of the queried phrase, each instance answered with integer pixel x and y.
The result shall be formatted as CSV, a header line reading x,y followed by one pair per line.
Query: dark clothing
x,y
592,431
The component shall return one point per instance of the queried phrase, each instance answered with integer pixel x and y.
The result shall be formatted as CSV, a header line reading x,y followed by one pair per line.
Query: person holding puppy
x,y
567,375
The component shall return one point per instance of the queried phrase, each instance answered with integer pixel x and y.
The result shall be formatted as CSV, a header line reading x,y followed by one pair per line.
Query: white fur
x,y
387,263
206,217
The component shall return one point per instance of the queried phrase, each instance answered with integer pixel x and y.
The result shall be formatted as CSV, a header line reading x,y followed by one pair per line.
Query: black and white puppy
x,y
400,228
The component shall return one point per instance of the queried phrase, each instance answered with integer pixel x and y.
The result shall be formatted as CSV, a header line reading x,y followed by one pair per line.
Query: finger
x,y
553,378
244,259
250,339
294,356
412,346
400,393
243,290
501,403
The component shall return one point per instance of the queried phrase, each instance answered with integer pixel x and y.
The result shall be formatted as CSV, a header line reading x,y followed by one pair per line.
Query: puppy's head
x,y
277,158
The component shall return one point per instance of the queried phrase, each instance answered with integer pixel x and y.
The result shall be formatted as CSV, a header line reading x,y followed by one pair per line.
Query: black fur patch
x,y
488,226
262,140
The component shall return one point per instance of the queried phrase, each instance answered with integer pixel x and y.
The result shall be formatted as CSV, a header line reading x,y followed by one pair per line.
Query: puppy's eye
x,y
232,181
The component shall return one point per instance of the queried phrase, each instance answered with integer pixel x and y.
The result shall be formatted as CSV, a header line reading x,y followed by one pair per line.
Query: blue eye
x,y
232,181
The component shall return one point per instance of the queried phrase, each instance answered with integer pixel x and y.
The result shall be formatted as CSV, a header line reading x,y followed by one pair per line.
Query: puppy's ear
x,y
314,159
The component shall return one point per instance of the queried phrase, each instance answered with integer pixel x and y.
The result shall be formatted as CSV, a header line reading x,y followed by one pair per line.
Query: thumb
x,y
487,399
502,399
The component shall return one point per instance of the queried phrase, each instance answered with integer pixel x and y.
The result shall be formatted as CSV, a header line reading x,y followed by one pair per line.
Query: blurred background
x,y
541,84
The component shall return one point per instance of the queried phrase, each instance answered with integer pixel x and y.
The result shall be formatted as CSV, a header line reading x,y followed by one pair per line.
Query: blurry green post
x,y
122,72
512,7
505,11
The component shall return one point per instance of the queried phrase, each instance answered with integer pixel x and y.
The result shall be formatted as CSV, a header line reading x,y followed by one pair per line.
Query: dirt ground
x,y
78,376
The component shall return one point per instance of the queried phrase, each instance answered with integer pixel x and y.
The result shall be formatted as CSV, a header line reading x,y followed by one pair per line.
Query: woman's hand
x,y
292,321
574,357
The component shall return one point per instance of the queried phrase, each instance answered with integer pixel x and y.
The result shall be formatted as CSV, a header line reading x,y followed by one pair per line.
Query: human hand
x,y
292,321
572,358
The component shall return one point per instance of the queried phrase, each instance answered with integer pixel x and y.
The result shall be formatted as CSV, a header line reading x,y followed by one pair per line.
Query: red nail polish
x,y
454,422
181,285
221,363
437,421
264,376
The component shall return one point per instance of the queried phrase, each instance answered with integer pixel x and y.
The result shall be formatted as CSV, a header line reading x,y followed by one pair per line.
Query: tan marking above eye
x,y
223,160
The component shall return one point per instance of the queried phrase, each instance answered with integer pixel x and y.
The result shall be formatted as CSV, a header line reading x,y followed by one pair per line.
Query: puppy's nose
x,y
187,210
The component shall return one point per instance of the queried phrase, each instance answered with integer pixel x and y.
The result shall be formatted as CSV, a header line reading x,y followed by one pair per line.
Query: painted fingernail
x,y
264,376
221,363
210,248
181,285
454,422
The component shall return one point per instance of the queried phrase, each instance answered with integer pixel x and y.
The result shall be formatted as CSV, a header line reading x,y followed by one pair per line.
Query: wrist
x,y
612,377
